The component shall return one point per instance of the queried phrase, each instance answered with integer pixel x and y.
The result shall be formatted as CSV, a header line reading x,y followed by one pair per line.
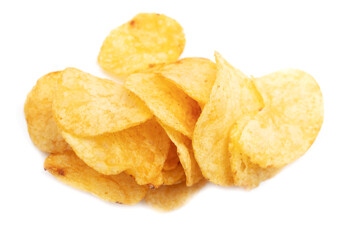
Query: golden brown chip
x,y
186,155
140,151
86,105
147,39
174,176
233,96
68,168
41,125
290,121
172,160
168,103
195,76
167,198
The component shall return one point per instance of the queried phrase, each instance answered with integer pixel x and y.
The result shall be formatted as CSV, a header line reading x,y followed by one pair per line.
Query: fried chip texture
x,y
145,40
186,155
172,158
290,121
71,170
174,176
233,95
140,151
86,105
167,198
41,125
195,76
168,103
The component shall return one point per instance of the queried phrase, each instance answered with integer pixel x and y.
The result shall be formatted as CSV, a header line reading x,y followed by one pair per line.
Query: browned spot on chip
x,y
132,23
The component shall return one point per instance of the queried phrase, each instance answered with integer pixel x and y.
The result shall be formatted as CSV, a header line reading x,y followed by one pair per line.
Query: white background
x,y
310,199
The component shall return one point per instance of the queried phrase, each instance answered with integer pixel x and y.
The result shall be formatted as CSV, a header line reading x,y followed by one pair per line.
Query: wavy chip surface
x,y
86,105
147,39
289,122
195,76
68,168
140,151
168,103
41,125
233,95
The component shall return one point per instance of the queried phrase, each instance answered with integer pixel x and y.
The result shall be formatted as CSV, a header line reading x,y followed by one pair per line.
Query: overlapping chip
x,y
233,96
169,104
140,151
86,105
172,123
41,125
68,168
147,39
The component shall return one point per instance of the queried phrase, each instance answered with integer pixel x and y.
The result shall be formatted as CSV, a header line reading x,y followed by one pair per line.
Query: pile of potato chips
x,y
173,123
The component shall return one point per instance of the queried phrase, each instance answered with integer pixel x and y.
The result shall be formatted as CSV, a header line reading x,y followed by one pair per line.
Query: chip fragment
x,y
41,125
86,105
233,95
147,39
140,151
195,76
167,198
68,168
168,103
289,122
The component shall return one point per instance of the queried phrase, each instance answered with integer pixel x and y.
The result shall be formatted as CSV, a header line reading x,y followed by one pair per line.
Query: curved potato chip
x,y
168,103
172,159
186,155
290,121
41,125
195,76
245,173
140,151
233,95
174,176
167,198
68,168
86,105
145,40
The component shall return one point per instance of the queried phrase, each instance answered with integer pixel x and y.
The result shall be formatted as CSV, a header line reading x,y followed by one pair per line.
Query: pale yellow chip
x,y
68,168
195,76
140,151
172,160
41,125
169,104
186,155
147,39
173,176
167,198
290,121
245,173
86,105
233,95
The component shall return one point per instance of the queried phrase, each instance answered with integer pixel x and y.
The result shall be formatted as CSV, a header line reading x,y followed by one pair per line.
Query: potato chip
x,y
68,168
174,176
140,151
195,76
168,103
145,40
172,160
42,128
233,95
86,105
186,155
245,173
167,198
290,121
